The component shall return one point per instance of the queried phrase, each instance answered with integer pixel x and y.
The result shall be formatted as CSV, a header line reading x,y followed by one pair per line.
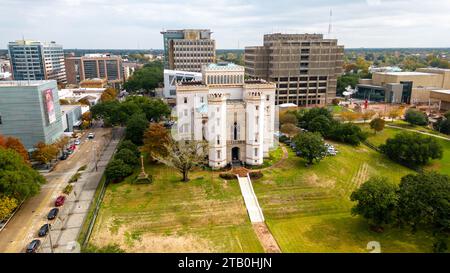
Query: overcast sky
x,y
235,23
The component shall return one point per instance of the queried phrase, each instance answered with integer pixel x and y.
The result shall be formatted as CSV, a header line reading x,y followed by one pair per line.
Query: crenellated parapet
x,y
253,95
216,97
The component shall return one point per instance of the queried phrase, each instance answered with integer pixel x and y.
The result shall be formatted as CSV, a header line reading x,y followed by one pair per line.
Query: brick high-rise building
x,y
188,49
94,66
305,67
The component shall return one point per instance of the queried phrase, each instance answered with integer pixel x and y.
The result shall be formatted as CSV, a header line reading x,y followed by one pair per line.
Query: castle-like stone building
x,y
235,116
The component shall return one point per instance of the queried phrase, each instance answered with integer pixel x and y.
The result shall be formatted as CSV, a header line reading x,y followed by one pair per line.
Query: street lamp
x,y
50,236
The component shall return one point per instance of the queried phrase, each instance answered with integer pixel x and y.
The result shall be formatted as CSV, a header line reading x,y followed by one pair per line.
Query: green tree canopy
x,y
136,126
117,170
17,178
311,146
127,156
424,199
377,124
376,201
412,149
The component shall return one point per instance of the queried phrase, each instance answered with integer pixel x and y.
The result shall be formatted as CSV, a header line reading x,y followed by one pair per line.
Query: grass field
x,y
441,165
206,214
308,208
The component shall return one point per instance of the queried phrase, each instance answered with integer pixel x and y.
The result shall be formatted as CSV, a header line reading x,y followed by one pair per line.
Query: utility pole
x,y
95,157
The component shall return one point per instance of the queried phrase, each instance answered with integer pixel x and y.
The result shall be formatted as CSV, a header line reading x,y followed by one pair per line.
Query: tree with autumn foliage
x,y
44,153
156,137
108,95
7,206
14,144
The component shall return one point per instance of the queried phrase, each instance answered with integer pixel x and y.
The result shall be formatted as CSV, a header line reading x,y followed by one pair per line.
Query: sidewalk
x,y
66,228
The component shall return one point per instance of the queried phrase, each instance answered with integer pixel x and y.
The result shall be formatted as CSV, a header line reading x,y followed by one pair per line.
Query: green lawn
x,y
441,165
308,208
206,214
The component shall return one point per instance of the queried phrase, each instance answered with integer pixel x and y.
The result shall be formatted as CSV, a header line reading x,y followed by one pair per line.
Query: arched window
x,y
235,131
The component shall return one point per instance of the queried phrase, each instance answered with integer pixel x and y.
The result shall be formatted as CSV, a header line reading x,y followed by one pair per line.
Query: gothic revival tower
x,y
217,129
254,110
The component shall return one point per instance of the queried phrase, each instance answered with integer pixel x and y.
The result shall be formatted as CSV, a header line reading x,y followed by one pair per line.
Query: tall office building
x,y
35,60
188,49
94,66
305,67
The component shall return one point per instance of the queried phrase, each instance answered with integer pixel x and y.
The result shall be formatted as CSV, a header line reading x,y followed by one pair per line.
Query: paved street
x,y
33,214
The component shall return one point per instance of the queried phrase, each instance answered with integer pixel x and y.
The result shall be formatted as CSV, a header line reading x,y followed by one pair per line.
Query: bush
x,y
117,170
75,177
227,176
256,175
348,133
127,144
68,189
82,168
416,117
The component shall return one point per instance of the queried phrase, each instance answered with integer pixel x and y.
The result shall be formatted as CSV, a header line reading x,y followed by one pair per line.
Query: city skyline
x,y
235,24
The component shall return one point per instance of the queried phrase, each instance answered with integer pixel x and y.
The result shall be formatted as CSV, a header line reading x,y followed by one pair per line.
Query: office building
x,y
173,77
443,97
403,87
304,67
188,49
95,66
71,117
34,60
30,111
235,116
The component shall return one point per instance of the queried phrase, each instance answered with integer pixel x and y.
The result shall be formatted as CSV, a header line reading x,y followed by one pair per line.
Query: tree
x,y
412,149
288,117
416,117
127,156
14,144
320,124
347,133
311,146
61,143
108,95
147,78
7,206
377,124
394,113
346,80
443,125
289,129
156,137
366,115
376,201
117,170
306,116
85,101
136,126
184,156
127,144
63,102
44,153
17,178
424,199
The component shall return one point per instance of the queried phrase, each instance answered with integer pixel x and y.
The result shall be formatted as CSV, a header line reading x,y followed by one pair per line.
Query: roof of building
x,y
69,107
223,66
24,83
405,73
442,91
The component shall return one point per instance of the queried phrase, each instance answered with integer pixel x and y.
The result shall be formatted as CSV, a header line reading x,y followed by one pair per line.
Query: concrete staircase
x,y
250,199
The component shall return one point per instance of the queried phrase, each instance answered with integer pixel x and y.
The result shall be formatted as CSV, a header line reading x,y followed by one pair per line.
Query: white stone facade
x,y
235,116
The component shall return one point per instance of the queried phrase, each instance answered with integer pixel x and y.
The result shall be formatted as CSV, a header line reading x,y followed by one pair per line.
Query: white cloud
x,y
133,23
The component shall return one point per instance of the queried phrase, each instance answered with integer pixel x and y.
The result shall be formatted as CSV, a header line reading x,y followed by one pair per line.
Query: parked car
x,y
60,201
68,151
77,142
33,246
91,135
64,156
52,213
298,153
2,223
44,230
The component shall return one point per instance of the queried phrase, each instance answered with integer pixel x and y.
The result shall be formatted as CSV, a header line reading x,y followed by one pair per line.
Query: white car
x,y
77,142
91,135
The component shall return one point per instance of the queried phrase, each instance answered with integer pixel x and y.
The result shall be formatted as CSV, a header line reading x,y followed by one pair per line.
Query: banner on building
x,y
49,106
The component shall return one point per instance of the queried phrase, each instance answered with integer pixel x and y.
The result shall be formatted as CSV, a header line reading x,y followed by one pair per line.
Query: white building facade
x,y
235,116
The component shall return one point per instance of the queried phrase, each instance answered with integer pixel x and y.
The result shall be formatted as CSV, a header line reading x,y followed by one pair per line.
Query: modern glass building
x,y
30,111
34,60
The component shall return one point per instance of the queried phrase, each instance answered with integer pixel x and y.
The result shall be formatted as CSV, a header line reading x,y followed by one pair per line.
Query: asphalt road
x,y
24,226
